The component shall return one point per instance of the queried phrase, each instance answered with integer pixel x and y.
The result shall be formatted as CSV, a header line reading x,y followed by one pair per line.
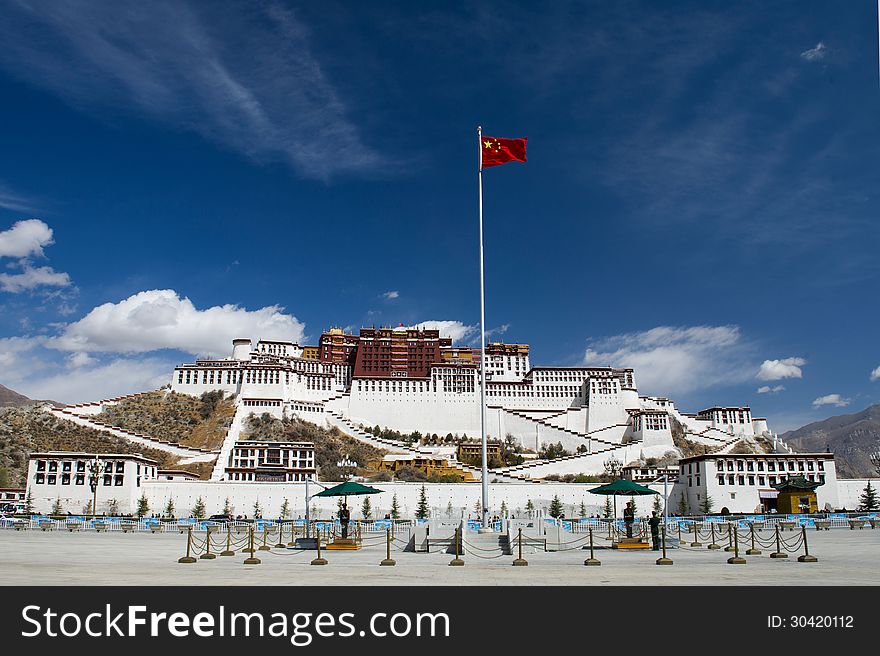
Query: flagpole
x,y
485,469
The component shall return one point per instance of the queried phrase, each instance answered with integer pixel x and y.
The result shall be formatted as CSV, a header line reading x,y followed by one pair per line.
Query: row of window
x,y
752,465
750,479
78,479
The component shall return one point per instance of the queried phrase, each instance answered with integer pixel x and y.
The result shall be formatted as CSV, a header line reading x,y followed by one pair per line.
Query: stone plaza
x,y
35,557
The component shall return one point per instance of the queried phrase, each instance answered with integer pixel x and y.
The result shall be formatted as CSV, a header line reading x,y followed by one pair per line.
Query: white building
x,y
266,462
63,477
743,482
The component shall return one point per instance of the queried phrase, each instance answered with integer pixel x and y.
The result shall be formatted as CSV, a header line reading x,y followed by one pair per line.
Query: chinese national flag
x,y
500,151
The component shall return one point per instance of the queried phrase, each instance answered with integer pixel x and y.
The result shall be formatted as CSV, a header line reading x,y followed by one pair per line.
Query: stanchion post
x,y
591,561
696,542
208,555
388,562
663,560
456,562
264,546
753,551
735,559
251,559
807,557
729,546
779,553
228,551
280,544
519,561
319,560
188,558
713,545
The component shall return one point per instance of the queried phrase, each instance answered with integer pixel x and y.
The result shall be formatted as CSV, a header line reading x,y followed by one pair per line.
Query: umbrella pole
x,y
614,524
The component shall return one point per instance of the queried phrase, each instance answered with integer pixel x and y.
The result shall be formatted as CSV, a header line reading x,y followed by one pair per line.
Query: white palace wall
x,y
462,496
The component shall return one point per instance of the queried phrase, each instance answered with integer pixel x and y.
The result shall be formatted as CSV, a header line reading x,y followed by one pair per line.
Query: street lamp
x,y
309,499
96,472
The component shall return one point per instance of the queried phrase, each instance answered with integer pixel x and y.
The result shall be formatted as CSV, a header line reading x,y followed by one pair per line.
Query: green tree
x,y
530,508
258,510
556,509
29,503
582,510
707,504
504,509
422,509
227,507
198,510
285,509
57,508
658,505
367,508
869,501
87,509
608,510
395,507
112,507
478,508
683,506
143,506
169,508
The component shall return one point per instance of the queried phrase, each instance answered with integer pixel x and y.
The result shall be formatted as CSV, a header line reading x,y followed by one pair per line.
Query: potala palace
x,y
410,379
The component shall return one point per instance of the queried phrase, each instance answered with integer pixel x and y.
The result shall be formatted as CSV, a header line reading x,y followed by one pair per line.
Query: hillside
x,y
331,445
190,421
12,399
852,438
26,430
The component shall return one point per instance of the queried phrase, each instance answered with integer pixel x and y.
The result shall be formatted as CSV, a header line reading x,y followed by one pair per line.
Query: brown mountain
x,y
11,399
852,439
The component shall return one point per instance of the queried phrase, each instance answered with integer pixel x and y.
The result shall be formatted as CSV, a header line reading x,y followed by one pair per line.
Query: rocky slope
x,y
28,429
190,421
852,438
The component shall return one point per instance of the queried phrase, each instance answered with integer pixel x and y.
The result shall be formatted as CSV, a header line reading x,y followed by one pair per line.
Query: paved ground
x,y
61,558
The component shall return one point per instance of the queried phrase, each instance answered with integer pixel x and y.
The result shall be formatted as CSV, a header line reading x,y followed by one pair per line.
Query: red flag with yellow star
x,y
500,151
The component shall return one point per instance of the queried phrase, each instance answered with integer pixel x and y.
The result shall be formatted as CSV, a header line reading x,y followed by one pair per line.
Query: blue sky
x,y
699,200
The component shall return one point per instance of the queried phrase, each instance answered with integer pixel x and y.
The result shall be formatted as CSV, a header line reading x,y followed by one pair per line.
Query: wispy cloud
x,y
390,295
10,200
670,360
243,75
816,53
766,389
779,369
831,399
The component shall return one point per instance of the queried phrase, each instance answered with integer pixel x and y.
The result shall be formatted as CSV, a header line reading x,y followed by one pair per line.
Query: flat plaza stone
x,y
115,558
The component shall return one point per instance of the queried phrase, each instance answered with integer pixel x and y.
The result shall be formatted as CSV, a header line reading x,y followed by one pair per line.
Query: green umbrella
x,y
347,489
624,488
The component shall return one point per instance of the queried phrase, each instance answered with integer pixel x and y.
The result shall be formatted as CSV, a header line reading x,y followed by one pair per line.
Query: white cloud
x,y
815,53
120,376
671,360
161,319
243,75
457,330
25,238
875,375
81,359
766,389
779,369
9,200
391,295
831,399
32,277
